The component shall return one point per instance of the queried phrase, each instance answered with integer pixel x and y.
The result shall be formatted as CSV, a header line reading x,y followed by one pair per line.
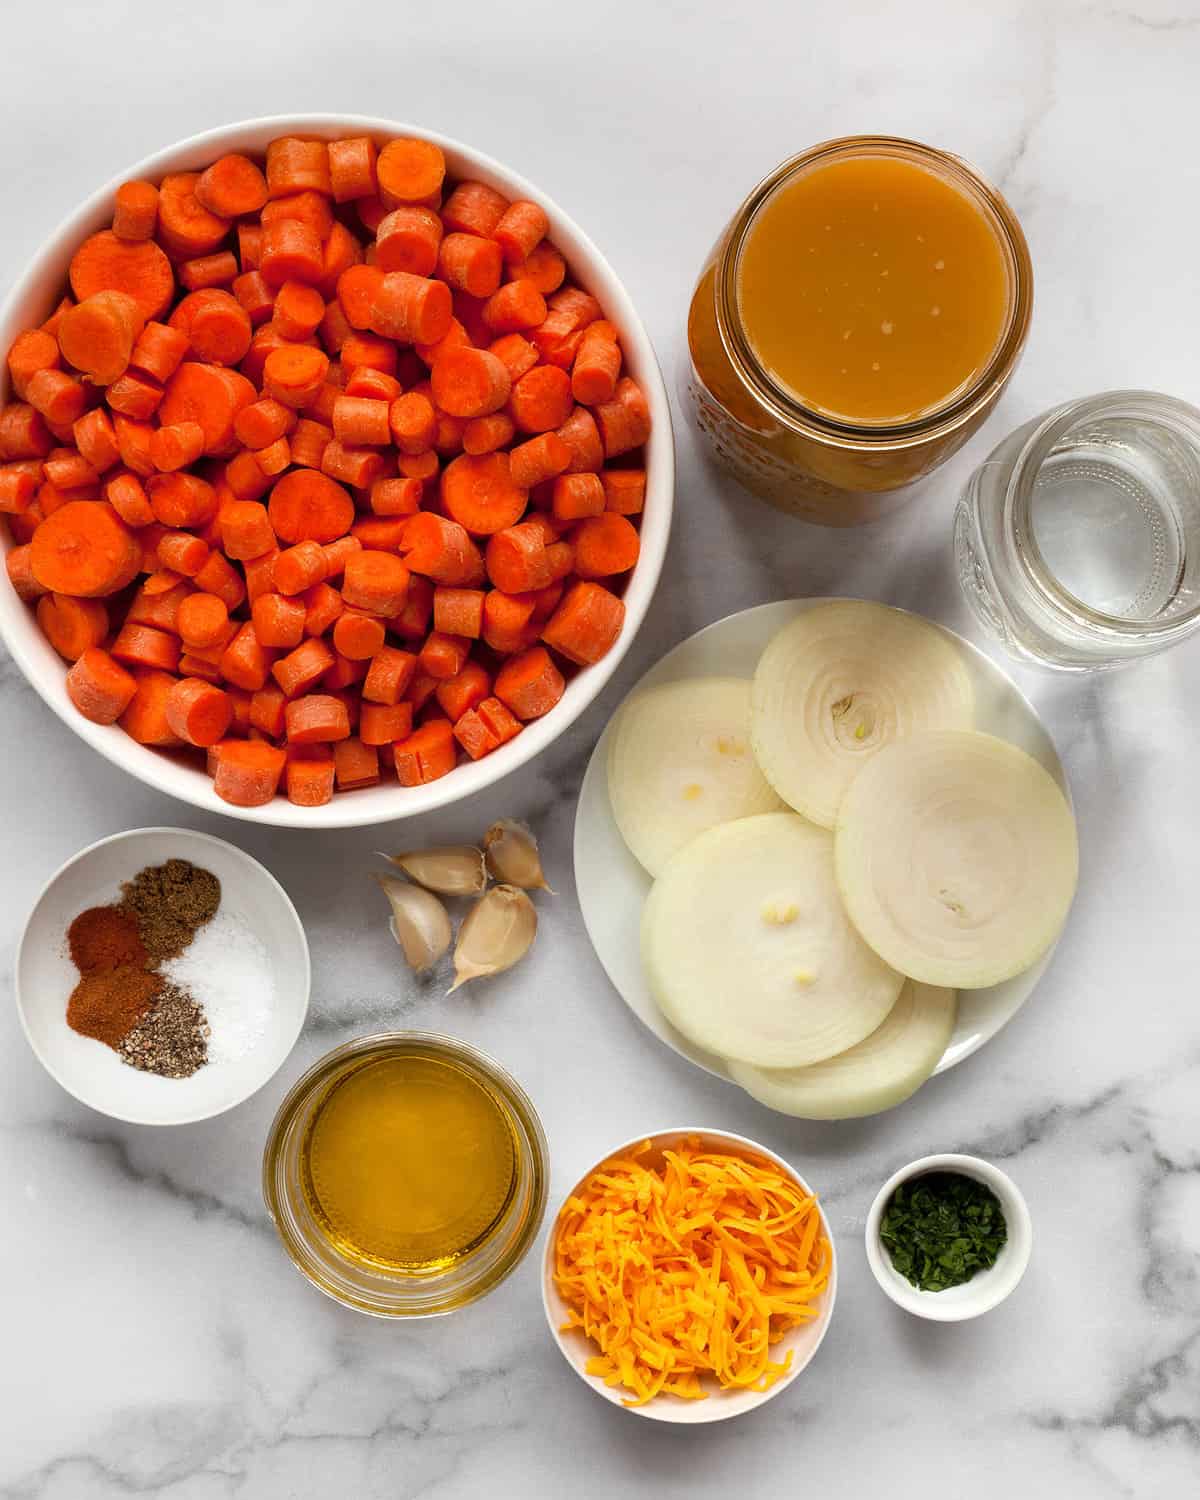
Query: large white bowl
x,y
719,1405
32,300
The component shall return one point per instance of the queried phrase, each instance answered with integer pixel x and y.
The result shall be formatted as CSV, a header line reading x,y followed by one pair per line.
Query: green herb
x,y
941,1228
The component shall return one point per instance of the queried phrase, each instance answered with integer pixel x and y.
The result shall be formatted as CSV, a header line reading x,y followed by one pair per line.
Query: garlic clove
x,y
451,870
420,923
511,850
496,933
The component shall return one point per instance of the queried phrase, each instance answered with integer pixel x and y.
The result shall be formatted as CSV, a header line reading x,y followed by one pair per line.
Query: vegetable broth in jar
x,y
855,324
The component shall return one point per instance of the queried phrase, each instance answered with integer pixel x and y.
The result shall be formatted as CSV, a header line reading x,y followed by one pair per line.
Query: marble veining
x,y
156,1341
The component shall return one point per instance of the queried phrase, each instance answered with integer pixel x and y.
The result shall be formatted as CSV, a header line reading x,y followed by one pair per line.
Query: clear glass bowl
x,y
394,1293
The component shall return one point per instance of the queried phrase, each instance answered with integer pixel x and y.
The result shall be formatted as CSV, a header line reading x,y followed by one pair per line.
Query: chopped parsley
x,y
941,1228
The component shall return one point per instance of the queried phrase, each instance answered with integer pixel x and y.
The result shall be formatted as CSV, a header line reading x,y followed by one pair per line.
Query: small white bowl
x,y
802,1342
986,1289
43,282
45,977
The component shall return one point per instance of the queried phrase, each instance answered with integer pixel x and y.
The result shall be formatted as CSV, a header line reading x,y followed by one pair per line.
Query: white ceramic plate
x,y
45,977
612,886
802,1342
36,292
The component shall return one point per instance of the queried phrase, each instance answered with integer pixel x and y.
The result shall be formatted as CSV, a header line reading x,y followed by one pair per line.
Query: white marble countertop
x,y
156,1341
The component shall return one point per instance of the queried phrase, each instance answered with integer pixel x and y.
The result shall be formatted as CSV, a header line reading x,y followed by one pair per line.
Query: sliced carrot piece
x,y
624,422
409,171
376,582
389,675
231,187
203,620
474,208
529,683
216,324
144,718
72,626
247,772
383,724
84,549
99,687
469,382
585,624
516,307
352,168
316,718
144,646
307,505
426,754
442,550
310,779
198,712
464,691
245,661
411,309
210,395
575,496
295,165
408,239
104,263
544,266
301,668
604,545
135,211
185,227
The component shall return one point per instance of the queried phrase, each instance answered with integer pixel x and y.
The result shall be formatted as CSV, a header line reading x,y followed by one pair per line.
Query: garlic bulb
x,y
511,850
497,932
420,923
451,870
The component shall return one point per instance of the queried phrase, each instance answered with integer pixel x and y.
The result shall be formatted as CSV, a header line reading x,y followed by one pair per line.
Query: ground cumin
x,y
170,901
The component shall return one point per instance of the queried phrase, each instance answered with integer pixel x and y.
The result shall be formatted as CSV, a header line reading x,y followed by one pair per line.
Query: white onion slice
x,y
839,683
882,1071
749,952
680,761
956,858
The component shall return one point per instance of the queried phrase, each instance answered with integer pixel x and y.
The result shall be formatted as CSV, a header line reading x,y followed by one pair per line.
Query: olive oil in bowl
x,y
406,1174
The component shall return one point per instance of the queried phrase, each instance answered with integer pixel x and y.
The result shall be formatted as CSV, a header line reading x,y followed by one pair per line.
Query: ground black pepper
x,y
171,1040
170,901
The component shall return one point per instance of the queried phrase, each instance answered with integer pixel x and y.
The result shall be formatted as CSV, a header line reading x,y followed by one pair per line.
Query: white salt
x,y
227,970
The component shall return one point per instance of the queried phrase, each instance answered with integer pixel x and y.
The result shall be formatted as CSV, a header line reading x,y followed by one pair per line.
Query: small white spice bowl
x,y
986,1289
802,1342
45,977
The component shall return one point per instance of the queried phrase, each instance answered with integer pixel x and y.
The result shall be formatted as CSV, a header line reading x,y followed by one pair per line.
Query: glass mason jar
x,y
1077,542
801,461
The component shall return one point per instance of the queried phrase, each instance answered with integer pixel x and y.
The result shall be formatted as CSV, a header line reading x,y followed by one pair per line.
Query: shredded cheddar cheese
x,y
690,1266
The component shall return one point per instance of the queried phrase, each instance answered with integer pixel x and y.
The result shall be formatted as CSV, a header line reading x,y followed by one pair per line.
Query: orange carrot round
x,y
216,324
231,187
360,421
474,208
294,374
442,550
411,309
352,168
470,264
104,263
278,621
529,683
408,239
585,624
306,505
181,500
84,549
624,422
247,772
515,307
246,530
375,582
413,422
520,229
316,719
295,165
358,636
99,687
298,310
98,333
544,266
207,271
72,626
541,400
135,211
469,382
409,171
604,545
210,395
202,620
478,493
291,251
33,350
197,711
176,446
487,434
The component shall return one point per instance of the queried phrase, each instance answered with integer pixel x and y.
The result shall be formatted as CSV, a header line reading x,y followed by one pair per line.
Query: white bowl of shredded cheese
x,y
248,967
794,1350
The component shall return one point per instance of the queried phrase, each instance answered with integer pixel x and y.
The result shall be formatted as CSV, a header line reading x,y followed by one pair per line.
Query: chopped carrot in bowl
x,y
304,420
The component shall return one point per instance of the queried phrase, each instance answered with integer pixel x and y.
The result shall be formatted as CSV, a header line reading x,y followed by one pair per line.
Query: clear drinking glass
x,y
1077,542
